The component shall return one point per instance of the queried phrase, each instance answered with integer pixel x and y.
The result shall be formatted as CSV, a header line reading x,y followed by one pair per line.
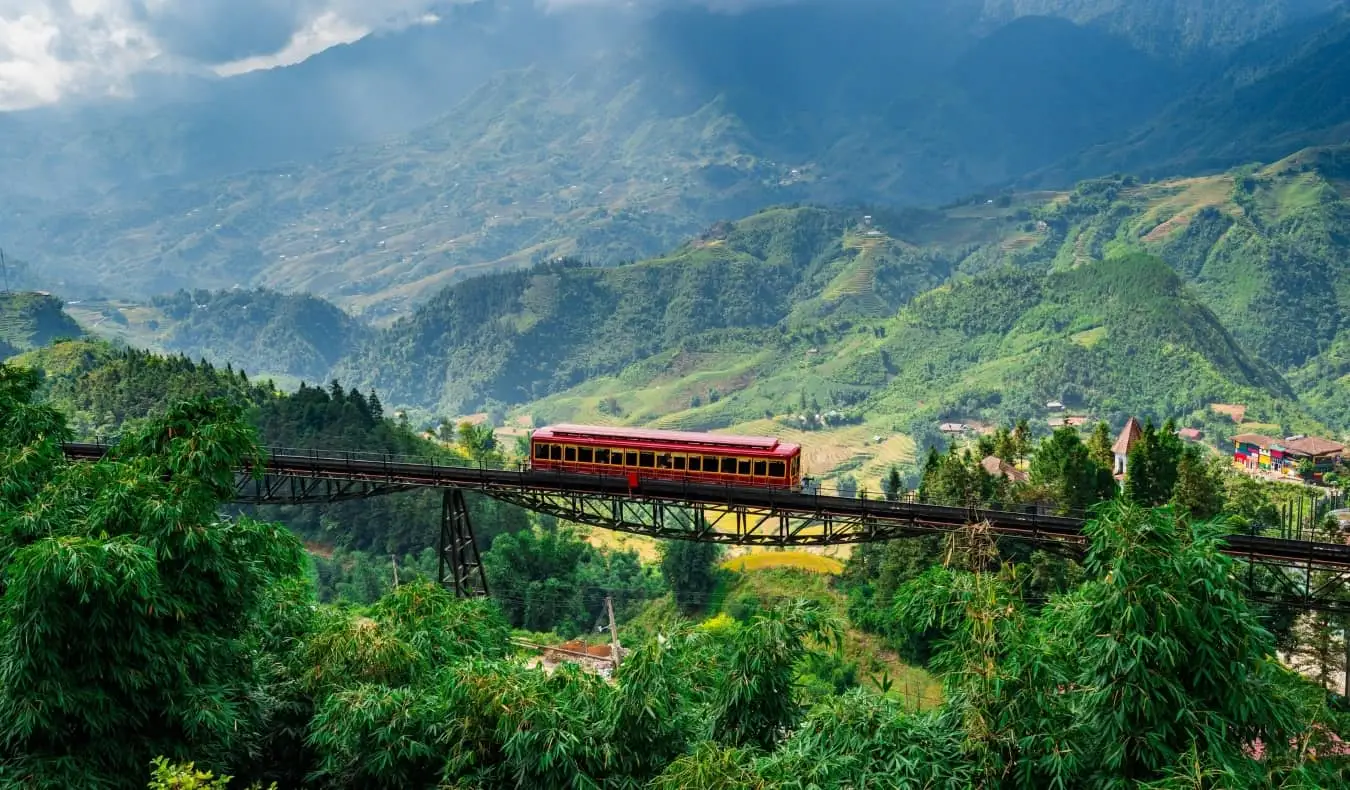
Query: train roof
x,y
760,443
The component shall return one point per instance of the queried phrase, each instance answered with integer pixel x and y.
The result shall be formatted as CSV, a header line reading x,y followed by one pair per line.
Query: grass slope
x,y
31,320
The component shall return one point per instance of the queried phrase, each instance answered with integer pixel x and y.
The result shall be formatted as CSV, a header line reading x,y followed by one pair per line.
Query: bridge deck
x,y
841,520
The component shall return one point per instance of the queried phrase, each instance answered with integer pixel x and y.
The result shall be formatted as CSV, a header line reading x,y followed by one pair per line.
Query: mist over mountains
x,y
378,171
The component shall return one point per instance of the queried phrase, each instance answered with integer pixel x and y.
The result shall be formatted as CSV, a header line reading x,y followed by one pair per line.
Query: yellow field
x,y
648,549
802,560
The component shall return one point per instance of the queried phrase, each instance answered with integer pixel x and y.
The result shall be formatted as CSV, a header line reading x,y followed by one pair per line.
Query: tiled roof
x,y
1127,437
1256,439
998,467
1314,446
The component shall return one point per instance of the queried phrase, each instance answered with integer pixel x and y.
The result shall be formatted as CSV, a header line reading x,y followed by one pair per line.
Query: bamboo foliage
x,y
137,623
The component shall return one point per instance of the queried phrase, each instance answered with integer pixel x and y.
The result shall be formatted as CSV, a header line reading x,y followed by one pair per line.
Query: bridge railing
x,y
814,488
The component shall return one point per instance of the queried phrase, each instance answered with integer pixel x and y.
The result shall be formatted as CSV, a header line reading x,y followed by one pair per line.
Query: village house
x,y
1121,449
997,467
1253,452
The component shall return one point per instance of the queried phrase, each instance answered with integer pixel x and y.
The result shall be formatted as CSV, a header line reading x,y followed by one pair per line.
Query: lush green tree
x,y
1063,465
1151,470
1099,446
1005,446
479,442
754,703
1197,492
690,569
129,605
549,579
1169,656
893,486
958,478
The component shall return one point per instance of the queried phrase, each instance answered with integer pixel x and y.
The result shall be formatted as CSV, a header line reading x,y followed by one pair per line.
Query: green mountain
x,y
32,319
522,335
1171,27
1272,98
856,339
298,335
689,116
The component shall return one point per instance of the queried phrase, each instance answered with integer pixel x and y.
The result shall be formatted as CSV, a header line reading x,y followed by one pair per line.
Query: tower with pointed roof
x,y
1121,449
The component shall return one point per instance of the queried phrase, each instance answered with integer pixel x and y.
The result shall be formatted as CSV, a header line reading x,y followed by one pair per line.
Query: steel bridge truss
x,y
1282,572
271,489
734,524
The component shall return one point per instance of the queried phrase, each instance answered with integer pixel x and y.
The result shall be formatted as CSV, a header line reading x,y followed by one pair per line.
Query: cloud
x,y
53,49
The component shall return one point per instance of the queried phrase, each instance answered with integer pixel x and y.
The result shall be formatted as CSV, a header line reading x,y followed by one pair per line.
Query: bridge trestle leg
x,y
459,562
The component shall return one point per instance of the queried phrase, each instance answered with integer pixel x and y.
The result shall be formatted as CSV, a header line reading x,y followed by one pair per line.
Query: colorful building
x,y
1256,453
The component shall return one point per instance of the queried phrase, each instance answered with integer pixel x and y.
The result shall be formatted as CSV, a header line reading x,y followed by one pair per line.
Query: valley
x,y
1054,294
858,334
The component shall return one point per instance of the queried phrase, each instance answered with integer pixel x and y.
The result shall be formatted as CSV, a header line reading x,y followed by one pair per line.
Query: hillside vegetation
x,y
31,320
613,134
1116,298
101,561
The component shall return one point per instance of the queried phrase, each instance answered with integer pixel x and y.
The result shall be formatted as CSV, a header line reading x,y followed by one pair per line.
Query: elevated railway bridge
x,y
1305,573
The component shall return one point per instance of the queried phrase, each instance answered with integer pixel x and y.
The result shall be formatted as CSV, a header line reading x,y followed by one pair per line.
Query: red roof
x,y
764,443
1128,436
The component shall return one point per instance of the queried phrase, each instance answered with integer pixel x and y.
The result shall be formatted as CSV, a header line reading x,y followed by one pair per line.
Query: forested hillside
x,y
891,321
420,690
613,134
106,390
30,320
298,335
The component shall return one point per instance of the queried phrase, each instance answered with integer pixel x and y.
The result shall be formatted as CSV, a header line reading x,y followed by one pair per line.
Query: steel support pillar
x,y
460,564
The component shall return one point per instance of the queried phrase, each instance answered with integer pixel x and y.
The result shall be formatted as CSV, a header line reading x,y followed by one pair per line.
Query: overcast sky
x,y
50,49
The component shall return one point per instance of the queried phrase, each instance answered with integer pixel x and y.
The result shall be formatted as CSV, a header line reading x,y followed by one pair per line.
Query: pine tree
x,y
1151,473
1004,445
1063,465
1196,492
1099,446
894,486
1022,438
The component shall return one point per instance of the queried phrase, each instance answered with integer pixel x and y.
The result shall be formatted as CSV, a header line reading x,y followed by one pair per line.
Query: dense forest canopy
x,y
199,635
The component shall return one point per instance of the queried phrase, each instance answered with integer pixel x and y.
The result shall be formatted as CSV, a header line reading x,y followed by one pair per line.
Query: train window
x,y
630,459
586,455
541,451
663,461
646,460
742,466
728,466
679,463
777,469
616,457
569,453
761,468
709,463
555,452
695,463
602,456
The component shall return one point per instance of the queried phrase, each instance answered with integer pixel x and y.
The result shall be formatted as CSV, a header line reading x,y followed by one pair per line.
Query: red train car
x,y
640,453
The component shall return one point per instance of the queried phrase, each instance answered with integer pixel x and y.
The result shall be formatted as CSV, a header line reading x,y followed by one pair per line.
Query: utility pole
x,y
4,269
613,632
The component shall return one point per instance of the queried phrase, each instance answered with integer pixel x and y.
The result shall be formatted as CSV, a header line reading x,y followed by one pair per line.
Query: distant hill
x,y
1171,27
31,320
378,172
1271,98
860,331
523,335
301,336
681,119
